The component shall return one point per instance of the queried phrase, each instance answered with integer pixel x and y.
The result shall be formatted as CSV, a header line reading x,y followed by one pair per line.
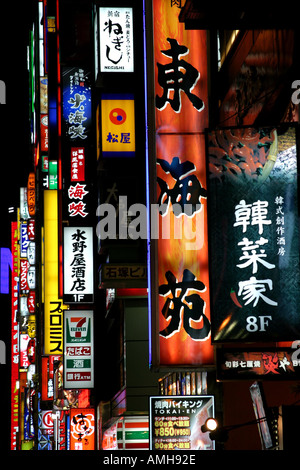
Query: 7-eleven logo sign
x,y
78,329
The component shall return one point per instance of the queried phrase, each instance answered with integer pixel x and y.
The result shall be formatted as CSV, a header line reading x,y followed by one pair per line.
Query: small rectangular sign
x,y
116,39
118,125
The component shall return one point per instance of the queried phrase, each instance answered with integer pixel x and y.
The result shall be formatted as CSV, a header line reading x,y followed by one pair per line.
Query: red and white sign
x,y
77,164
31,302
24,361
24,266
31,229
44,133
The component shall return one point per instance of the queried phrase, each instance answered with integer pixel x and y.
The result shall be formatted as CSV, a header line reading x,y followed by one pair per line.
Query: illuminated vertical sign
x,y
82,429
52,175
181,328
77,166
5,266
254,234
116,39
24,212
117,125
78,265
53,317
76,103
175,422
14,335
31,194
79,349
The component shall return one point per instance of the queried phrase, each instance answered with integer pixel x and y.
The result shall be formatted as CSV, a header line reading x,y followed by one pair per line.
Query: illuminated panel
x,y
76,104
14,336
254,234
79,349
53,318
31,194
78,265
118,125
183,432
116,39
181,329
82,429
6,265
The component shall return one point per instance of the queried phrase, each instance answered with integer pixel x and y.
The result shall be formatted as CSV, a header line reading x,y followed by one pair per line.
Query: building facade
x,y
161,140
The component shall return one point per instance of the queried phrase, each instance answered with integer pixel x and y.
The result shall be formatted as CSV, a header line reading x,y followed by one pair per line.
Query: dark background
x,y
15,160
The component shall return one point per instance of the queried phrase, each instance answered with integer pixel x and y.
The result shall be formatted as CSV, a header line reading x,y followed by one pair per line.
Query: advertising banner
x,y
47,376
254,234
24,241
53,305
82,429
117,125
77,104
78,265
175,422
181,329
14,338
79,352
264,364
116,39
77,166
31,194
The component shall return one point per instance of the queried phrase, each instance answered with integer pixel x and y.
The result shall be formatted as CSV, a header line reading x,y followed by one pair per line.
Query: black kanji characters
x,y
187,192
177,304
172,78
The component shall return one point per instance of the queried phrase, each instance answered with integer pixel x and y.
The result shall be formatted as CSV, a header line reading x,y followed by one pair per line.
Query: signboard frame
x,y
186,424
253,233
79,349
78,257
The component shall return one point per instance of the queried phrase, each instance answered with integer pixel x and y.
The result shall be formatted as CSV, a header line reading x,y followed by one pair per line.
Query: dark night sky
x,y
15,158
15,155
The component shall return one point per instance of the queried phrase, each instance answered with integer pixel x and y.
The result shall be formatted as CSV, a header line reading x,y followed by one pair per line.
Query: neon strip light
x,y
148,186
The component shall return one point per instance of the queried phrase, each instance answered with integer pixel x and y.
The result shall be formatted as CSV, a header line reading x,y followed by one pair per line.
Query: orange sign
x,y
82,429
181,115
31,194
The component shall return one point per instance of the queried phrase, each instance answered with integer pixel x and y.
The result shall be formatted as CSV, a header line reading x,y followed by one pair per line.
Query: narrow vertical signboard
x,y
82,429
78,265
79,344
116,39
181,329
14,426
53,314
117,125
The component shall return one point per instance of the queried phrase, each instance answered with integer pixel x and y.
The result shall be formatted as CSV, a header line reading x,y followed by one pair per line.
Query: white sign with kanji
x,y
78,265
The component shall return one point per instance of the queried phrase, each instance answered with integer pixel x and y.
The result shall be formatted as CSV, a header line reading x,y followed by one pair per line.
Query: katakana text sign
x,y
175,422
267,364
254,234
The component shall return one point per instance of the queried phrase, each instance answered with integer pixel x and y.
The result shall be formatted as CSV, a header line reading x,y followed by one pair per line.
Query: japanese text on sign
x,y
254,255
116,39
